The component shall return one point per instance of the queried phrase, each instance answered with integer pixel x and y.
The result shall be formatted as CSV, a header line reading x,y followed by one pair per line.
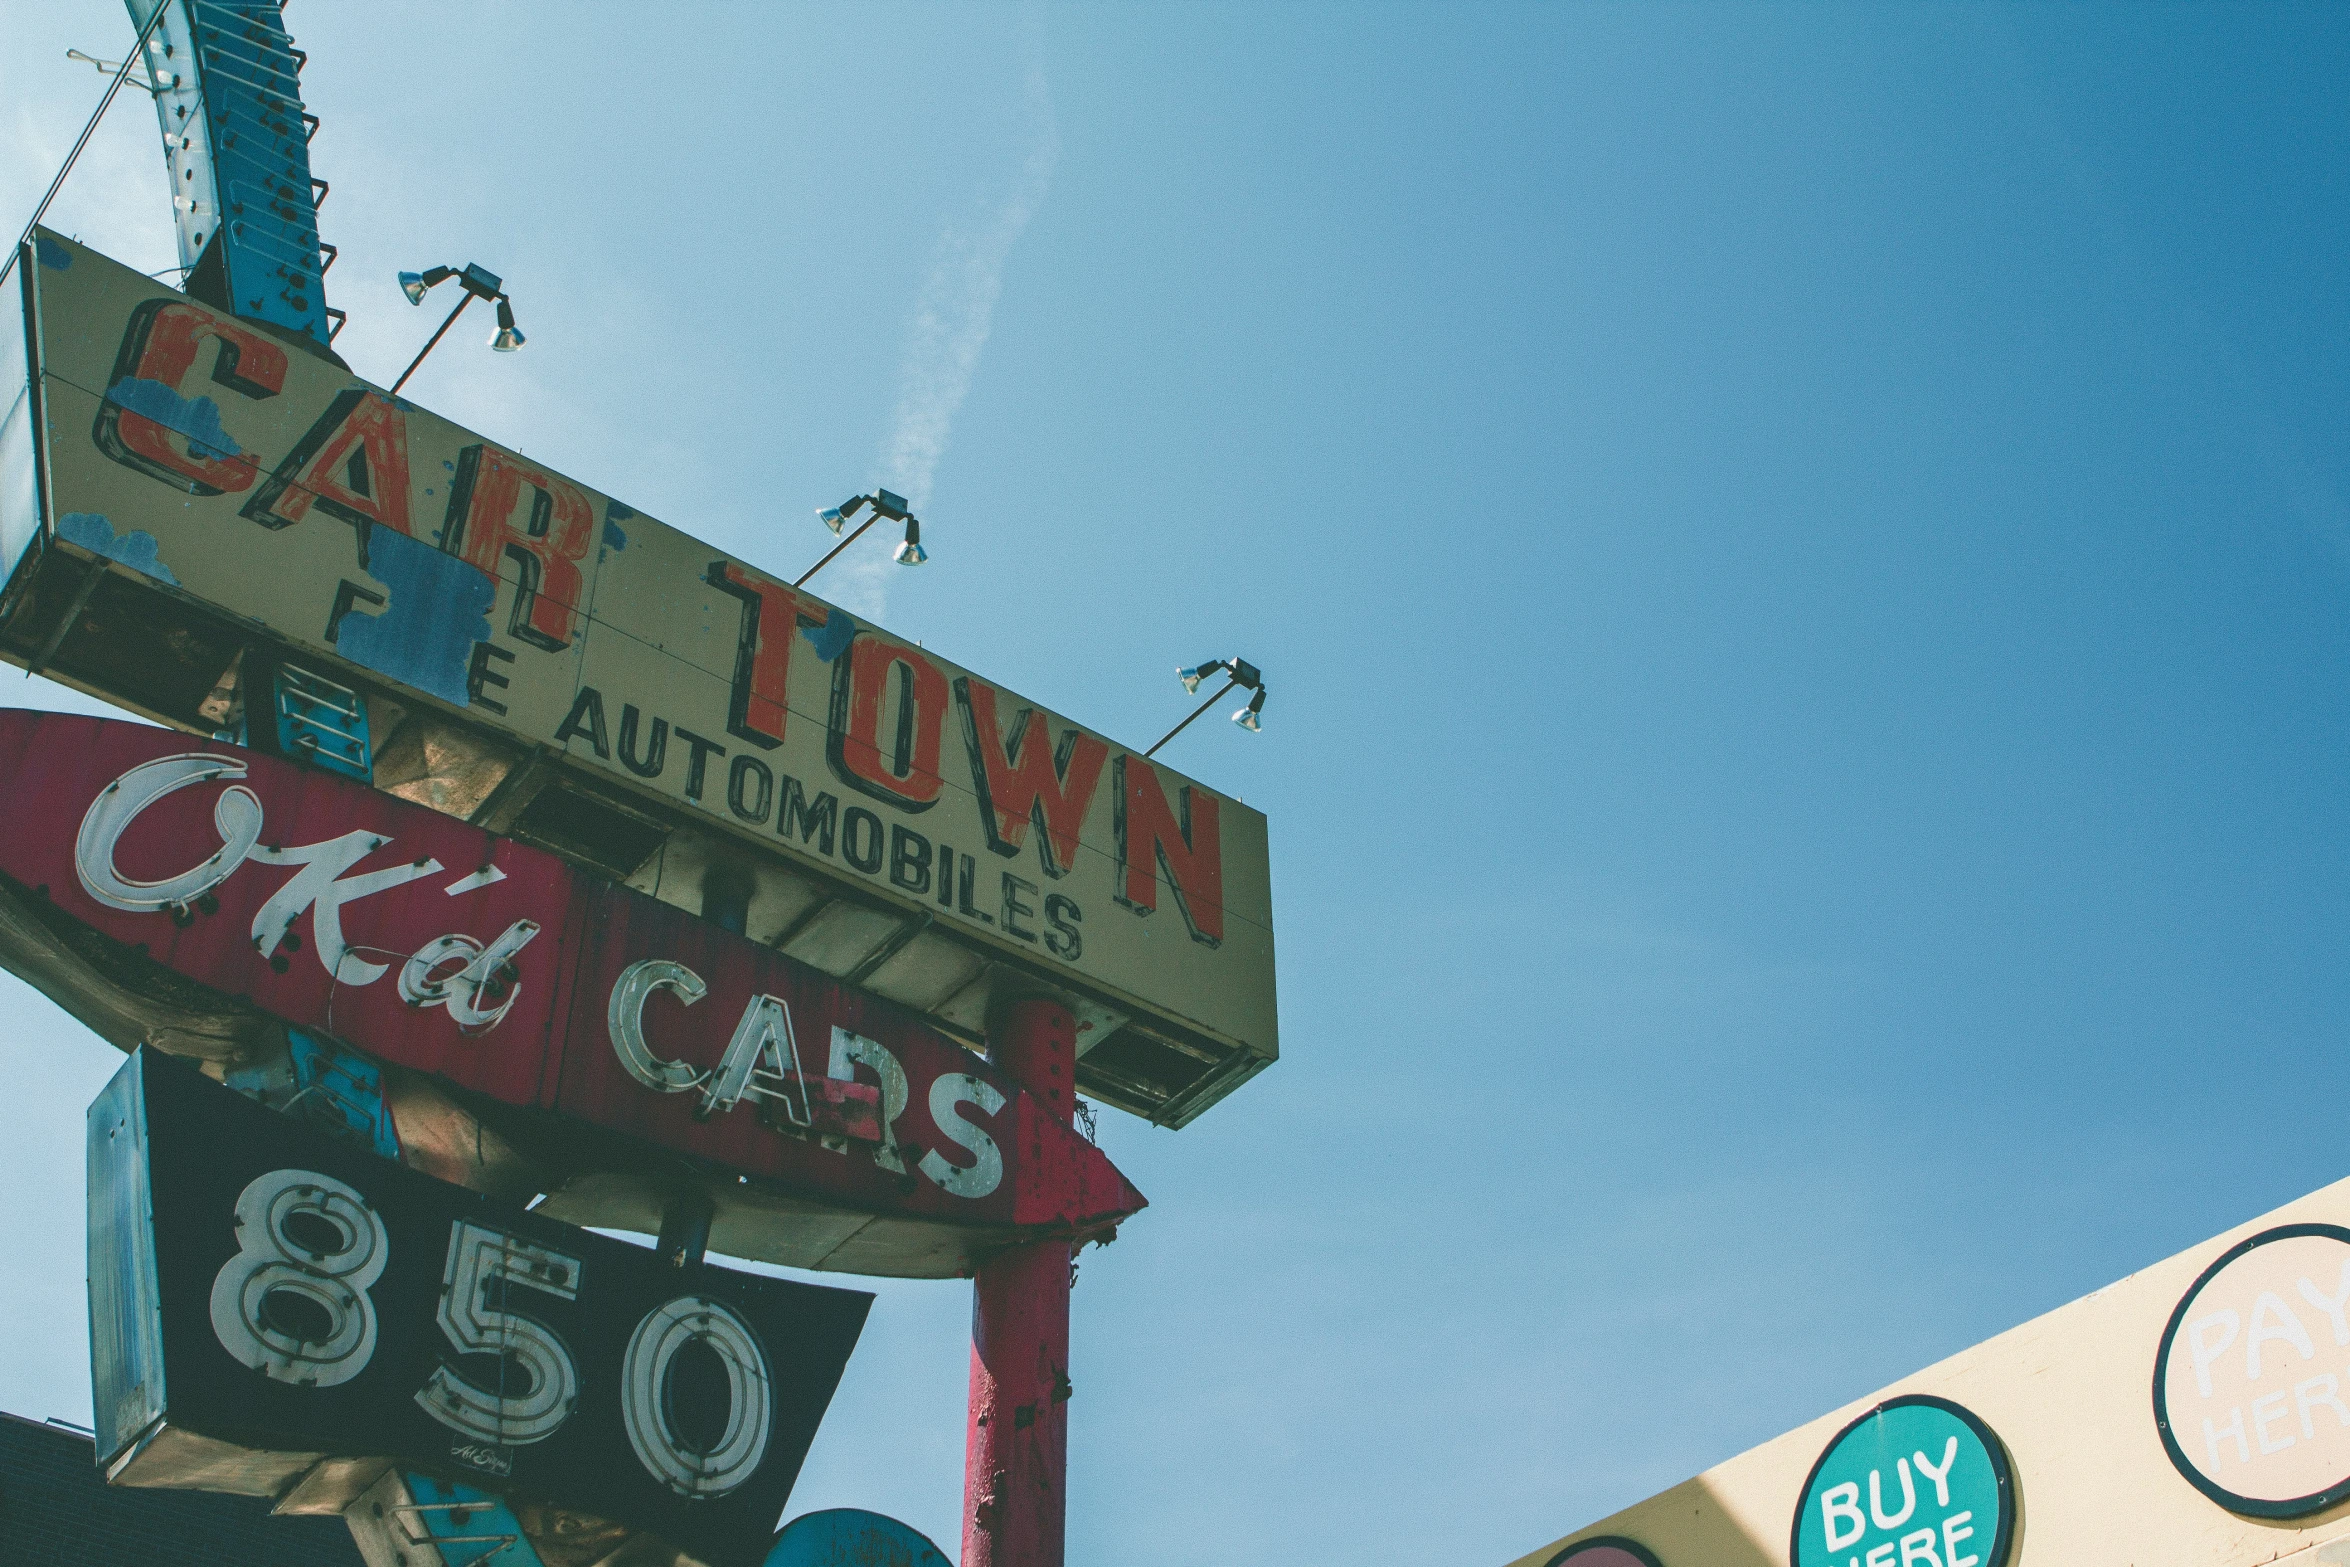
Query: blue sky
x,y
1799,551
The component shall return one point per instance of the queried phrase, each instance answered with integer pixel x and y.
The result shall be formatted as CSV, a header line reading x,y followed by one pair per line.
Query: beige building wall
x,y
2071,1394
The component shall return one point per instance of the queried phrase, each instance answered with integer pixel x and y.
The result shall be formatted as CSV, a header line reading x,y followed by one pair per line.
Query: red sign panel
x,y
438,946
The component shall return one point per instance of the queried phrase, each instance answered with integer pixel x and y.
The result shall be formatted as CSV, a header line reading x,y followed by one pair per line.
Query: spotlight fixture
x,y
911,552
882,504
478,283
414,284
1243,675
833,516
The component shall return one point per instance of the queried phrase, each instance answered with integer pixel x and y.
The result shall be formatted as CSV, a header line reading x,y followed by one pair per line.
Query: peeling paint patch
x,y
53,255
437,608
197,418
137,550
831,639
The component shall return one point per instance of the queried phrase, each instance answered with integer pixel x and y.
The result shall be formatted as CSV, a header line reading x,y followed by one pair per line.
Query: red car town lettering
x,y
907,776
1184,842
159,348
352,464
1022,776
501,508
771,613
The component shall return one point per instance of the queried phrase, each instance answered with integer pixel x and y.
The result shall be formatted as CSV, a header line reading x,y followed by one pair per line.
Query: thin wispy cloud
x,y
950,326
116,200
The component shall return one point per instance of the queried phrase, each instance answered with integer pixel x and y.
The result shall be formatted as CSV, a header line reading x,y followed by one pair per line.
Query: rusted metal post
x,y
1016,1445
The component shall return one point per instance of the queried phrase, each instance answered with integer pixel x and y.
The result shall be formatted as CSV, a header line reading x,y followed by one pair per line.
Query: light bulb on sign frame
x,y
911,552
415,284
1198,672
508,338
834,516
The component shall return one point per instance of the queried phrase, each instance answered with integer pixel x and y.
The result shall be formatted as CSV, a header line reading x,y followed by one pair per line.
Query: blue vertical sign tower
x,y
227,84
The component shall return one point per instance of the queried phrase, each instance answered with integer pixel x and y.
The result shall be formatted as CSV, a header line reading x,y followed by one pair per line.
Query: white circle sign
x,y
2252,1384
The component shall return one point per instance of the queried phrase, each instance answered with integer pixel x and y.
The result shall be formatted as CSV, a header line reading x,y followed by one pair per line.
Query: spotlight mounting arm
x,y
478,282
1243,676
882,504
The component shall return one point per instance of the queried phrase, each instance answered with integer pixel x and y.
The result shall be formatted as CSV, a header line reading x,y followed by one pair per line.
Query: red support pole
x,y
1016,1445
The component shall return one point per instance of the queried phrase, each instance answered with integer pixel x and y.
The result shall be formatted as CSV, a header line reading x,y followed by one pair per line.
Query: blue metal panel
x,y
469,1526
334,1089
126,1305
321,722
229,99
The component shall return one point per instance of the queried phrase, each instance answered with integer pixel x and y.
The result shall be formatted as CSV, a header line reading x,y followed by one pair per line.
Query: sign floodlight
x,y
478,282
1243,675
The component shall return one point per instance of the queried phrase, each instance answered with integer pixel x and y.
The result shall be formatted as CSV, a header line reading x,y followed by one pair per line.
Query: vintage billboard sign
x,y
541,657
496,967
272,1308
2250,1382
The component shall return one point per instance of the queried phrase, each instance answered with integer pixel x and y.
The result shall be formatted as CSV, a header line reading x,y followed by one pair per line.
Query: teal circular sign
x,y
1915,1482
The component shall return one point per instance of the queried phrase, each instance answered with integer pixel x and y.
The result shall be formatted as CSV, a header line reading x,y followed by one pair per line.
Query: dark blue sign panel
x,y
268,1304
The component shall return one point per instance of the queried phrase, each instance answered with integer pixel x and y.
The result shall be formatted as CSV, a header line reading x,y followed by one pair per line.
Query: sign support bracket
x,y
73,612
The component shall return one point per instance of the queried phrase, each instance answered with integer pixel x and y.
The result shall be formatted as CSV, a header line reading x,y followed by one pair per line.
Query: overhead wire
x,y
140,48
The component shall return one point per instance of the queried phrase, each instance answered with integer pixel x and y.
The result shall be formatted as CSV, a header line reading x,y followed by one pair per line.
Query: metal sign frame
x,y
549,662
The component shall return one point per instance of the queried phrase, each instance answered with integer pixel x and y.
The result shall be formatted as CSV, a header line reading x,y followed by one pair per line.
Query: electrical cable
x,y
58,183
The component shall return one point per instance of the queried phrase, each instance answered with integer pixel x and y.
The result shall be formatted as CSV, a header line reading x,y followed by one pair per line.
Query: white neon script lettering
x,y
762,1058
478,975
236,815
318,887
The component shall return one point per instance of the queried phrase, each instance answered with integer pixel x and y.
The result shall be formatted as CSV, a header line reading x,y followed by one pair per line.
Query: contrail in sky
x,y
951,321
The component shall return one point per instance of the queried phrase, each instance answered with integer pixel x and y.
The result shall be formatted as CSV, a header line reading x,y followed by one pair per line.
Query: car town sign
x,y
560,640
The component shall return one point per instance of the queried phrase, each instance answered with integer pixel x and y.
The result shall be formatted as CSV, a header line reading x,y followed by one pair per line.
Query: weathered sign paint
x,y
1917,1481
2250,1385
273,1308
438,946
202,460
